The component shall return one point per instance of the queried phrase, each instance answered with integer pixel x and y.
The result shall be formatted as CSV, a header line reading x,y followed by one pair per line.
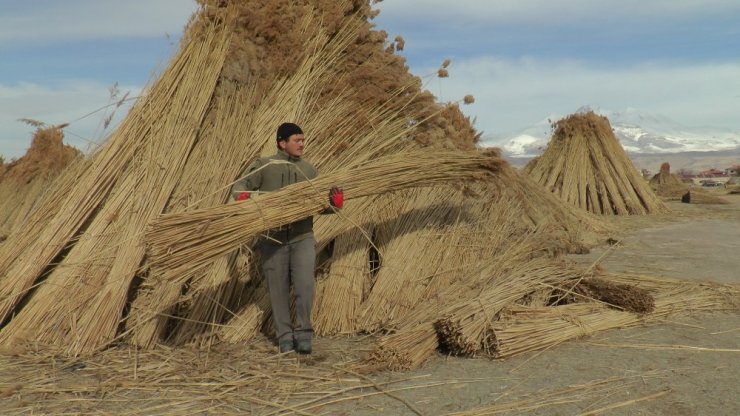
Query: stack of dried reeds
x,y
667,185
585,165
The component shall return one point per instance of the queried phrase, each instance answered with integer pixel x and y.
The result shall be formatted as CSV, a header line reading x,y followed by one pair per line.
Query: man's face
x,y
293,146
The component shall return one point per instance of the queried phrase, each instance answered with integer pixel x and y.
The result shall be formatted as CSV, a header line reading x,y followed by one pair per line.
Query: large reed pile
x,y
585,165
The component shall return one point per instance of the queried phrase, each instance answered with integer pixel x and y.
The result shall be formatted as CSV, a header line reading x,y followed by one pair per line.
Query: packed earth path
x,y
686,365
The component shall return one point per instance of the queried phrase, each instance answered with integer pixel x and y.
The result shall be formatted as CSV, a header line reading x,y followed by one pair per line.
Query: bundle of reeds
x,y
181,243
585,165
629,298
698,197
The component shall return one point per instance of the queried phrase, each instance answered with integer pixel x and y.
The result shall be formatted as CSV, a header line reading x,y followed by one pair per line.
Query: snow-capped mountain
x,y
638,131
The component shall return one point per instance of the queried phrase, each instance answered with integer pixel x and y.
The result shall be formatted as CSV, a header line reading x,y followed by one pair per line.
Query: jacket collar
x,y
284,156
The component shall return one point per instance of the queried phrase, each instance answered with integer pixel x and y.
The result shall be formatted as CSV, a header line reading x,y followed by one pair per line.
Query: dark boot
x,y
286,346
303,346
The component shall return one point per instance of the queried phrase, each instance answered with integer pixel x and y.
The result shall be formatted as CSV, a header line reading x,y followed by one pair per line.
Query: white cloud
x,y
548,11
514,94
65,103
61,21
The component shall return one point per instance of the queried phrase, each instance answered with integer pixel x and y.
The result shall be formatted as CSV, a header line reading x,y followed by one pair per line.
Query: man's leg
x,y
275,262
302,265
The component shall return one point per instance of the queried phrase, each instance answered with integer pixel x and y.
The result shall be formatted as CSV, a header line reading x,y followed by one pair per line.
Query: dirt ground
x,y
687,365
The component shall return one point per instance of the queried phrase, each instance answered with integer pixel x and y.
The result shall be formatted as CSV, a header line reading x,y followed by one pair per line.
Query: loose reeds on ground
x,y
586,166
231,379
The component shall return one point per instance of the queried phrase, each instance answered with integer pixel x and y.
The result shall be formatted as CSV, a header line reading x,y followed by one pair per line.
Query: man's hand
x,y
336,197
243,196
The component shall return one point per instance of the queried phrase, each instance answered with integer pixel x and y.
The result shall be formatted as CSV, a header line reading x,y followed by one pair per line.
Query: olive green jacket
x,y
271,173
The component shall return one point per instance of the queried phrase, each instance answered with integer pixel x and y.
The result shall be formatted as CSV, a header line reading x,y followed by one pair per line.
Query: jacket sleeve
x,y
249,181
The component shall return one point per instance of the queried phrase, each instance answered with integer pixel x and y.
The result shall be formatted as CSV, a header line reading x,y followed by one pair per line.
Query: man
x,y
288,253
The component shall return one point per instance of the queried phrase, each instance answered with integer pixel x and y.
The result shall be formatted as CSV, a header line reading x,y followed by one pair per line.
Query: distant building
x,y
712,173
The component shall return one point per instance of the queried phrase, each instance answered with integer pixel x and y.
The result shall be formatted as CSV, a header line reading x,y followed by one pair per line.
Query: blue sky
x,y
523,60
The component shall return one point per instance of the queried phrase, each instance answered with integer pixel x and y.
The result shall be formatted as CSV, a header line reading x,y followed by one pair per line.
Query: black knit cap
x,y
286,130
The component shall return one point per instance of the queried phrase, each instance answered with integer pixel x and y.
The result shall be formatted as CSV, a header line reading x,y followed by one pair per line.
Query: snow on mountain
x,y
638,131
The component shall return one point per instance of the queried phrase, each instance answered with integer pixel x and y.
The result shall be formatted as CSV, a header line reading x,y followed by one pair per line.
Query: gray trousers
x,y
283,265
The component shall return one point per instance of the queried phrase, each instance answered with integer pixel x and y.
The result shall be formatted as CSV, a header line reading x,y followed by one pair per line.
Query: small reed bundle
x,y
698,197
519,329
247,322
181,243
405,350
522,329
622,296
585,165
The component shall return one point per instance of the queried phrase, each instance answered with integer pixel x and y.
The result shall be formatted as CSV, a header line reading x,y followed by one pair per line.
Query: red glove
x,y
336,197
243,196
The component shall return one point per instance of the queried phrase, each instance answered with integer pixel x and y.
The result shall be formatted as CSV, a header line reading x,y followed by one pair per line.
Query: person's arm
x,y
250,181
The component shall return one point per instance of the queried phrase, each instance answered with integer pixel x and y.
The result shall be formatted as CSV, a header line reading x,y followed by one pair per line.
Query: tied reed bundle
x,y
626,297
178,244
698,197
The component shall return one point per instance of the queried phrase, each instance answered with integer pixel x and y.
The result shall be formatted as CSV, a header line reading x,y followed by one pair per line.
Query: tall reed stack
x,y
585,165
